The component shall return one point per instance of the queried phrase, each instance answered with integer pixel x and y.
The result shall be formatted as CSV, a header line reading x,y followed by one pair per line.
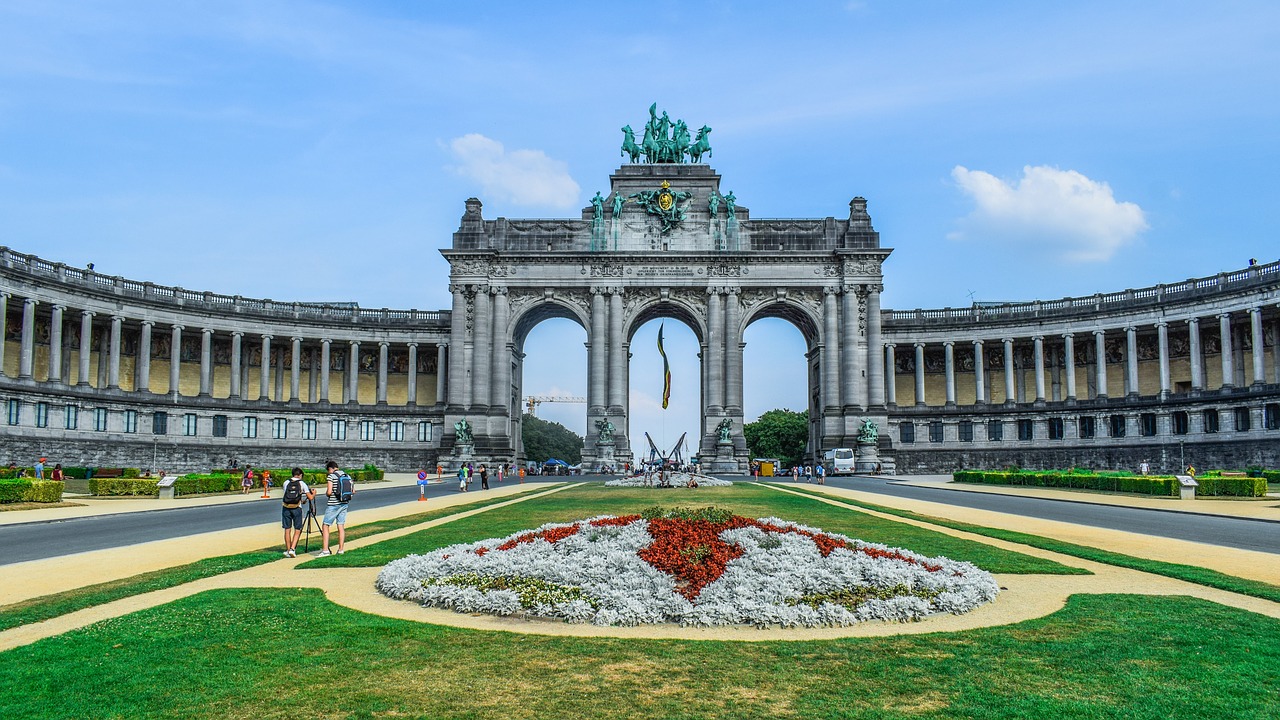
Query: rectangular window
x,y
1271,416
906,432
935,431
42,414
339,429
366,430
219,425
966,431
1243,423
1055,428
1088,426
995,430
396,430
131,421
308,429
424,431
14,413
1117,426
72,417
1147,421
100,419
1181,423
1211,421
279,429
190,424
249,427
1026,429
160,423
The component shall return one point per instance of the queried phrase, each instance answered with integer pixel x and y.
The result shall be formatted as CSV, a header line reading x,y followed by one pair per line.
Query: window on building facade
x,y
42,414
219,425
1243,423
72,417
1026,429
1117,426
1088,426
1181,423
935,431
366,430
339,429
249,427
906,432
966,431
279,428
100,419
160,423
1211,421
1055,428
1147,422
131,421
395,430
1271,416
13,411
308,429
190,424
424,431
995,430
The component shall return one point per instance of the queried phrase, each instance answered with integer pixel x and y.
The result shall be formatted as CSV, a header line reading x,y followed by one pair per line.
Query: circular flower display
x,y
702,567
677,479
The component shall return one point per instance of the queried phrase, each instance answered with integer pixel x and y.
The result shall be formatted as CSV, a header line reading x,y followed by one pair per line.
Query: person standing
x,y
296,494
246,480
501,469
57,475
462,477
822,474
338,488
484,477
40,468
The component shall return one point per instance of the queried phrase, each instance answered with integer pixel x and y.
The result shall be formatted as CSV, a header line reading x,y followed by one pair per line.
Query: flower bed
x,y
673,479
705,567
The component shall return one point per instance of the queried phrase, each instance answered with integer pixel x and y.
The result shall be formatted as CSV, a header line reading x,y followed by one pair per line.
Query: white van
x,y
838,461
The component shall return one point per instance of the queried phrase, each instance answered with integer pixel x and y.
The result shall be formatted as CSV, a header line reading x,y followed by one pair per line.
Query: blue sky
x,y
322,151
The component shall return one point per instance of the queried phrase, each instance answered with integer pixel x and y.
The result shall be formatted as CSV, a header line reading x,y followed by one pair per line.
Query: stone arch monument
x,y
664,242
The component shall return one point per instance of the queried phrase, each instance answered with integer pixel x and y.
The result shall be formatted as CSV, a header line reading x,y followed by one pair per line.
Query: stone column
x,y
597,357
1275,351
86,346
325,362
295,370
482,353
175,360
113,367
1197,357
55,343
278,373
1069,359
27,357
1010,385
733,353
206,362
1162,339
617,355
411,388
948,349
830,351
4,320
142,360
919,374
875,360
313,377
891,378
1100,346
353,377
264,383
457,338
1228,367
1037,344
442,357
381,394
500,396
1255,322
849,350
1131,361
979,374
237,352
716,345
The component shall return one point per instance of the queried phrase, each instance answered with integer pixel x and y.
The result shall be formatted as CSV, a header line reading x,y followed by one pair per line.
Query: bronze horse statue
x,y
629,146
700,145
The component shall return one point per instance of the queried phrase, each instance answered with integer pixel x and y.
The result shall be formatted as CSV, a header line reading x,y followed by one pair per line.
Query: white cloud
x,y
1061,211
523,177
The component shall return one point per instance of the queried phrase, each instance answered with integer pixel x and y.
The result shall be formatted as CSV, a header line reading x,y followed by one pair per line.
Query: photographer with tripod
x,y
296,494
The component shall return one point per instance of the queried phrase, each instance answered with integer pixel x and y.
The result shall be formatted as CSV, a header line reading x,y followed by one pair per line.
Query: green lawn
x,y
289,653
746,499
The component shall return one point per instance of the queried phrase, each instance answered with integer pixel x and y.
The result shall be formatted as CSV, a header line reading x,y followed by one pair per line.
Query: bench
x,y
1233,474
108,472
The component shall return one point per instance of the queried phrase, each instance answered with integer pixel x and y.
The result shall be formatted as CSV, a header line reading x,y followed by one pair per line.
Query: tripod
x,y
309,523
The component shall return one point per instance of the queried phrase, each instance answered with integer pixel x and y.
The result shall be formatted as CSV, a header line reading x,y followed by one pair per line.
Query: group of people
x,y
810,472
339,489
37,471
468,471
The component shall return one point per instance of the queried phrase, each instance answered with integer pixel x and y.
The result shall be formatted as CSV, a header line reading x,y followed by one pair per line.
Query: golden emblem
x,y
665,200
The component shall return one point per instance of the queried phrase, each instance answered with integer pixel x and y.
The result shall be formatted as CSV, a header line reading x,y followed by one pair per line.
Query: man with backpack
x,y
296,494
338,488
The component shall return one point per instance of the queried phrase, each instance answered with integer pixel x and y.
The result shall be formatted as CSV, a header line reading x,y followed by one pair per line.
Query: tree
x,y
544,440
780,434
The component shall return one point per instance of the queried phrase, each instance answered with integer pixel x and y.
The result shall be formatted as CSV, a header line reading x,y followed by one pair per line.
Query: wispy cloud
x,y
523,177
1061,211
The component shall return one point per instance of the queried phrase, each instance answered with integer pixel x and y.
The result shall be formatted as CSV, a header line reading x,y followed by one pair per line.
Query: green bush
x,y
123,486
1271,476
131,473
195,483
1232,486
1211,483
14,490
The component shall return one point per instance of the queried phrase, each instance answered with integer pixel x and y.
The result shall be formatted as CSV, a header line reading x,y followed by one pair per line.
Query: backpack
x,y
293,494
344,488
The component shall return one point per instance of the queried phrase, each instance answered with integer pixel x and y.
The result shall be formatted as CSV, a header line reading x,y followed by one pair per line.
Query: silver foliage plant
x,y
678,479
764,587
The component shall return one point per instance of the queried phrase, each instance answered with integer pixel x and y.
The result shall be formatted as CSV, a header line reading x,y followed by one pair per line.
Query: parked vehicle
x,y
839,461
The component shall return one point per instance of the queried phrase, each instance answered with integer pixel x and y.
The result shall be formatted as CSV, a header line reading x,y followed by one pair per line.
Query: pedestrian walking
x,y
39,468
462,477
246,480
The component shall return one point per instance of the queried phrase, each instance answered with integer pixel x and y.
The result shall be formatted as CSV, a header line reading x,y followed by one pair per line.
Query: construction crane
x,y
532,402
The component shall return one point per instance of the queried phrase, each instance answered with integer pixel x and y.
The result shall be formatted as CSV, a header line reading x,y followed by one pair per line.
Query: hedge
x,y
1271,476
123,486
29,490
1142,484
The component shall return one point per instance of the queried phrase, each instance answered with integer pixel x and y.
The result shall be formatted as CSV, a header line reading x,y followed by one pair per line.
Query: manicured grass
x,y
50,606
1189,573
746,499
289,653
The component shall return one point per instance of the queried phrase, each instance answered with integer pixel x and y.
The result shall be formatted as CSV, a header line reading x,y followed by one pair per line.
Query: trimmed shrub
x,y
123,486
14,490
1232,486
1211,483
1271,476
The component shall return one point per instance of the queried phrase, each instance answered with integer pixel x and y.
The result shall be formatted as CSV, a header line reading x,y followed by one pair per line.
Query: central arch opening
x,y
550,362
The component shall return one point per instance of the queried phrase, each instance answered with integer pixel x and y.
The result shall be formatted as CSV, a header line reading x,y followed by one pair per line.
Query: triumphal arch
x,y
666,241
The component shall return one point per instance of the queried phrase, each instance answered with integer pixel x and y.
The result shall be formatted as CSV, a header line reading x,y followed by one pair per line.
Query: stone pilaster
x,y
597,357
1100,346
411,388
381,394
1131,361
919,374
1162,340
482,352
617,357
206,362
875,360
143,359
237,352
353,375
264,376
1255,324
4,320
949,352
86,347
325,363
443,363
733,356
716,344
1069,359
55,344
175,360
1197,356
1037,345
851,398
26,357
1010,384
295,370
891,378
979,374
1228,352
457,388
830,351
